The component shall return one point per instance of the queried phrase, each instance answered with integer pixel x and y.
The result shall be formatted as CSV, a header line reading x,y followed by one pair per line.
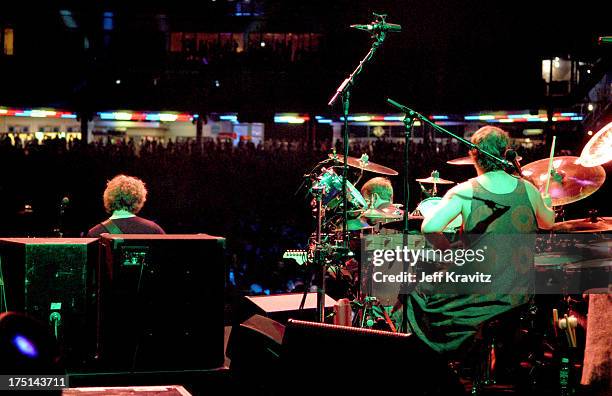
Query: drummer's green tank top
x,y
446,321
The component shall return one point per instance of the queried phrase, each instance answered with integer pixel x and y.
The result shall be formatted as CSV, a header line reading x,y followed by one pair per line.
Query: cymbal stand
x,y
318,260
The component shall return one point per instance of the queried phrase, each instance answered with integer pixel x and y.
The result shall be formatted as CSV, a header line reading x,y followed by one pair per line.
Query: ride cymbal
x,y
569,182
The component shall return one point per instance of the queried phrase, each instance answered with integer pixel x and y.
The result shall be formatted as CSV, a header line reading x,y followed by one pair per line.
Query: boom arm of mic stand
x,y
426,120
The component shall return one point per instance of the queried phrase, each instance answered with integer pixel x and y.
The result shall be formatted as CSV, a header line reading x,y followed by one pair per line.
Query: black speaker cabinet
x,y
306,358
362,361
161,302
51,280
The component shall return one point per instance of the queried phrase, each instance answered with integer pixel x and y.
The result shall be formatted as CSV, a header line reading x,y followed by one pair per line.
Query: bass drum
x,y
427,207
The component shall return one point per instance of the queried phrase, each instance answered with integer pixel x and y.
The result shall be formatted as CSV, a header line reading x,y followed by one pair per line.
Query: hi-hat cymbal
x,y
435,180
469,160
598,149
570,181
363,163
584,225
382,214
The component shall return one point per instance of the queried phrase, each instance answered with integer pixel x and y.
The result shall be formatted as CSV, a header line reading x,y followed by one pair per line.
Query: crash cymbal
x,y
570,181
585,225
364,163
435,180
598,149
469,161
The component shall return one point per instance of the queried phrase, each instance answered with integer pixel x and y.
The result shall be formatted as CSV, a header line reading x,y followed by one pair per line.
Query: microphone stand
x,y
408,121
344,91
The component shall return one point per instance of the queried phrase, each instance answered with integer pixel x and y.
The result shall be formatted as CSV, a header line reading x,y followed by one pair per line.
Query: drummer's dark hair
x,y
379,185
493,140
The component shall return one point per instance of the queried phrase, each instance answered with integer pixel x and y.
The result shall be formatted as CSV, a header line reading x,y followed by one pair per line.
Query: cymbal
x,y
469,161
355,225
570,181
363,163
435,180
598,149
382,214
584,225
461,161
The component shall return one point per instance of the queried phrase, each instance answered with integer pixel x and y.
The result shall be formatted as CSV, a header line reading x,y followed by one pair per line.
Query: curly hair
x,y
379,185
492,140
125,193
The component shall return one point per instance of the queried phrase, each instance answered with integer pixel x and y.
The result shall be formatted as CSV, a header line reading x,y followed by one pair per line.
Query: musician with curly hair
x,y
123,198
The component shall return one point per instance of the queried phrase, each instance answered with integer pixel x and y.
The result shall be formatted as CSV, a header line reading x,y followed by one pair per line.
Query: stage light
x,y
68,19
590,133
25,346
117,82
590,107
262,44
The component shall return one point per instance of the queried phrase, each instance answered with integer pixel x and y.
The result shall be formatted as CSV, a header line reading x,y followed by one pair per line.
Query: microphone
x,y
64,204
379,27
511,156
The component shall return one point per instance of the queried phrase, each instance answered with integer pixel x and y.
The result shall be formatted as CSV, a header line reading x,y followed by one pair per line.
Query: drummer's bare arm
x,y
542,206
450,207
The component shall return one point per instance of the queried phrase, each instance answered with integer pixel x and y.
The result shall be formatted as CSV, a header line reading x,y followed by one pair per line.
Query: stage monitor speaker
x,y
282,307
161,302
254,349
306,358
51,280
361,361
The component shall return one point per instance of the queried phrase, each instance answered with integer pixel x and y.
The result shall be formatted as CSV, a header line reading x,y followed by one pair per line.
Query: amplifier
x,y
161,302
51,280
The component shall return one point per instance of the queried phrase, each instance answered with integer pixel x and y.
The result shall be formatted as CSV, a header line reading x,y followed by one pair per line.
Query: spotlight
x,y
25,346
590,133
117,82
590,107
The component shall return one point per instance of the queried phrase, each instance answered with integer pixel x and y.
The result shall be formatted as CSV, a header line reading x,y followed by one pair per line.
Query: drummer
x,y
378,193
493,203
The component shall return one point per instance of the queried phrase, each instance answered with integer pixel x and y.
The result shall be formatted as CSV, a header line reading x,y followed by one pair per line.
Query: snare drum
x,y
427,208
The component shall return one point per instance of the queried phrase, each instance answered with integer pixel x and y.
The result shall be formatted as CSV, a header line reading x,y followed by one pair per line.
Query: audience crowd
x,y
252,194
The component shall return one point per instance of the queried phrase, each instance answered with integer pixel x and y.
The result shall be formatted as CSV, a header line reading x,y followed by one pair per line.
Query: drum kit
x,y
566,178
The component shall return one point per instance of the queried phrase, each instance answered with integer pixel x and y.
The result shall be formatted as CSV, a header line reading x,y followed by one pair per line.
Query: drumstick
x,y
555,320
572,323
550,163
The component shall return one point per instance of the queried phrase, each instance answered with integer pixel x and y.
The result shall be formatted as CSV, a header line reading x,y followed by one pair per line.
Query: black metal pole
x,y
408,128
